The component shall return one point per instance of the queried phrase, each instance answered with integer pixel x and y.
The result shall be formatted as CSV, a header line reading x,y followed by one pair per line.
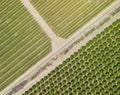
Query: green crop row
x,y
92,70
65,17
22,41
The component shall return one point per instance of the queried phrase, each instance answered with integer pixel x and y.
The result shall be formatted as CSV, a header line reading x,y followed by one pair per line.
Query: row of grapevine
x,y
67,16
22,41
92,70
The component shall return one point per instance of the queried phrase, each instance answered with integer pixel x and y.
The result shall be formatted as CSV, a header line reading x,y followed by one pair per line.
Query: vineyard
x,y
66,17
92,70
22,42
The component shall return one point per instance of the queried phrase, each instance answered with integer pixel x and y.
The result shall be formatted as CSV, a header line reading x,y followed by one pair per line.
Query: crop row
x,y
66,17
22,41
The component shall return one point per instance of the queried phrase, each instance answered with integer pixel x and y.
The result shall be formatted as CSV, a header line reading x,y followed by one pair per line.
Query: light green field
x,y
92,70
66,17
22,41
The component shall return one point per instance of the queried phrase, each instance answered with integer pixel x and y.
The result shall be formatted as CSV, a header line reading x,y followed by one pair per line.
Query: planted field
x,y
93,70
22,41
65,17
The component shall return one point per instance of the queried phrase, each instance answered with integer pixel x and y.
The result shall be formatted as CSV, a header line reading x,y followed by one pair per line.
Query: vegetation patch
x,y
22,41
92,70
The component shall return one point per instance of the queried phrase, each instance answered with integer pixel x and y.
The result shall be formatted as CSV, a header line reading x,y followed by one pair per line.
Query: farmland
x,y
22,41
66,17
92,70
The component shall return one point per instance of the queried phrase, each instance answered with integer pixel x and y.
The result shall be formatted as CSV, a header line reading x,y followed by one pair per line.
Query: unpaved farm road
x,y
56,41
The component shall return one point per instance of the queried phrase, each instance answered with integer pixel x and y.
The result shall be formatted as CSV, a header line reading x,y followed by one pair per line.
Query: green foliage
x,y
95,72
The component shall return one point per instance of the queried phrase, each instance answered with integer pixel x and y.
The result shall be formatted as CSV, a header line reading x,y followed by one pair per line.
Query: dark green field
x,y
92,70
